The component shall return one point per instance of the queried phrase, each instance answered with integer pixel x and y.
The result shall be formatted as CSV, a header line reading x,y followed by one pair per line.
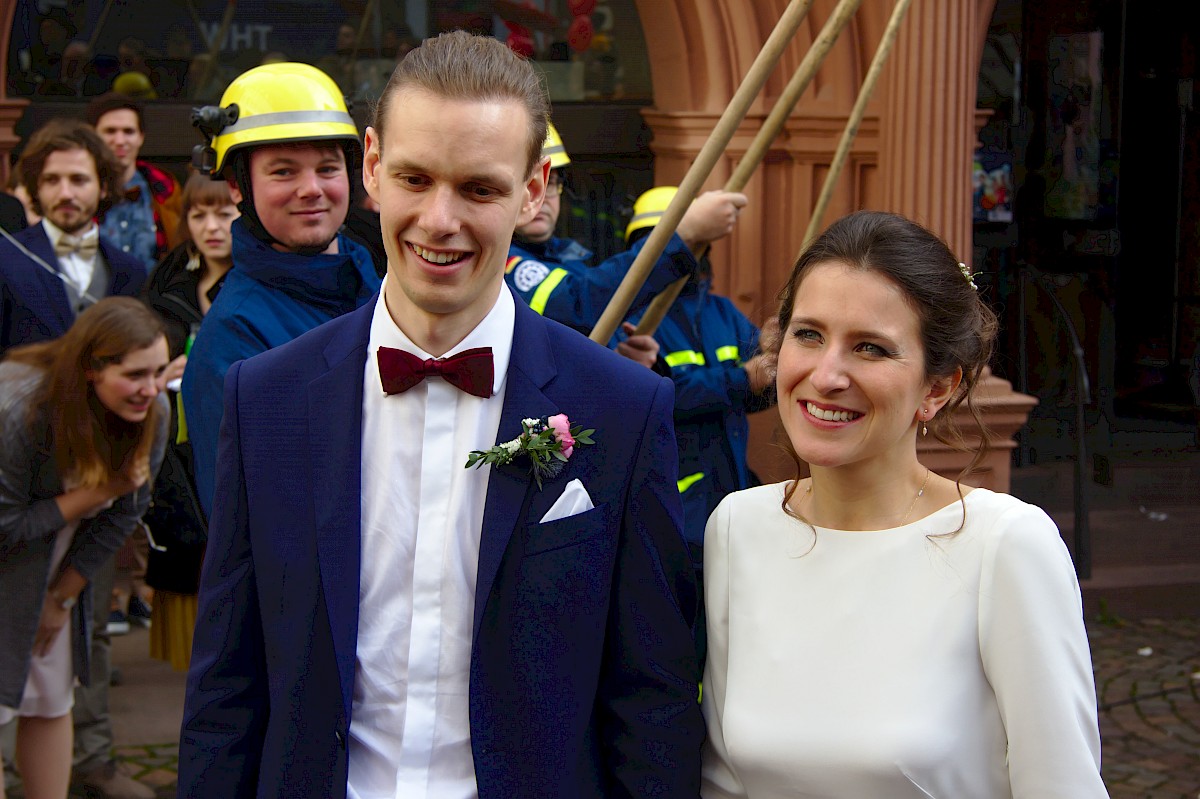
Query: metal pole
x,y
1083,532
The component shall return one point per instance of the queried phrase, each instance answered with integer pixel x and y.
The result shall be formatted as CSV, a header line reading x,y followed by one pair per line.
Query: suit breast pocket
x,y
568,532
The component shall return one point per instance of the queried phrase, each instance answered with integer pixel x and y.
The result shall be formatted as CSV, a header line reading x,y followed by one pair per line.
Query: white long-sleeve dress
x,y
895,663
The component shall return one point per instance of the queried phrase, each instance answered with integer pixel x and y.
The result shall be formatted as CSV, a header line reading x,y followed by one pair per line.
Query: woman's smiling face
x,y
851,368
129,386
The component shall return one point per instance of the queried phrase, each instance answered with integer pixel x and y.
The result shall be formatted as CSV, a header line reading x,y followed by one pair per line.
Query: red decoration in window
x,y
579,35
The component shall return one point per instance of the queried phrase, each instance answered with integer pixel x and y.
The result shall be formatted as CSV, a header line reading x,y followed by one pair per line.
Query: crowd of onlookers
x,y
58,63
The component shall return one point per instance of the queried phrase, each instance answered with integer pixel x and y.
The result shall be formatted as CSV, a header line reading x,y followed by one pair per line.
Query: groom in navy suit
x,y
377,620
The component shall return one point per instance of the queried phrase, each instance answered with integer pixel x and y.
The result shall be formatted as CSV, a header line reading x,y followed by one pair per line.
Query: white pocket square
x,y
574,501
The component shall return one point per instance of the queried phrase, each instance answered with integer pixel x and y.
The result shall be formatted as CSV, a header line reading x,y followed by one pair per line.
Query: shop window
x,y
156,49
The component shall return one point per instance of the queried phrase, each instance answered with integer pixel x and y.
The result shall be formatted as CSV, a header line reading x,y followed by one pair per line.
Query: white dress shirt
x,y
76,269
422,512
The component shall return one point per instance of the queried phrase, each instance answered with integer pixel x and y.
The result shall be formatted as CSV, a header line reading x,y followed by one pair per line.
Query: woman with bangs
x,y
82,429
182,289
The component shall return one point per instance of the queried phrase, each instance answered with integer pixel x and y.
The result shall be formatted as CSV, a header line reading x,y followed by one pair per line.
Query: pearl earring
x,y
924,427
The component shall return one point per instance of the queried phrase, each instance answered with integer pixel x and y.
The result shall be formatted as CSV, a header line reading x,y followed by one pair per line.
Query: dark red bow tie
x,y
470,370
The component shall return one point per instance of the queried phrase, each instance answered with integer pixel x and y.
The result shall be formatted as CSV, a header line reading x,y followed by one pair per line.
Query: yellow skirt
x,y
172,623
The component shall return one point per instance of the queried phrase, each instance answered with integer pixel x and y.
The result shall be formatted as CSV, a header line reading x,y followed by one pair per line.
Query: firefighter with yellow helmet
x,y
555,276
712,353
284,139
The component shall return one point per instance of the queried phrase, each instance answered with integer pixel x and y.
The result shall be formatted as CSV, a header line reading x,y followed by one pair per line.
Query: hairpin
x,y
966,272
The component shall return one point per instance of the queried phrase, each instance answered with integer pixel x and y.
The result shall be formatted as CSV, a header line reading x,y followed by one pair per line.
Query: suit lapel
x,y
336,452
530,368
34,281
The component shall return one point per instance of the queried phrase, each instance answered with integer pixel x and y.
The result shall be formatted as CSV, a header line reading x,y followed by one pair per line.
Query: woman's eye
x,y
873,349
805,334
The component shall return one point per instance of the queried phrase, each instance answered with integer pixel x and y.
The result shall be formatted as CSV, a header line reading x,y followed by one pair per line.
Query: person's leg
x,y
93,728
8,755
95,770
44,756
141,596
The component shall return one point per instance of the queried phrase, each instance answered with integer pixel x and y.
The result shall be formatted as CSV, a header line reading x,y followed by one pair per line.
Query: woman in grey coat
x,y
82,428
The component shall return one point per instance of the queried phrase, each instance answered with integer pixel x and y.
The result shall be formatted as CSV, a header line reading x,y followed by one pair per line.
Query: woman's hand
x,y
172,373
50,625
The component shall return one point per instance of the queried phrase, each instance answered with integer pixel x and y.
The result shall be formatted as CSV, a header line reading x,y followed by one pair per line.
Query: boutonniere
x,y
548,442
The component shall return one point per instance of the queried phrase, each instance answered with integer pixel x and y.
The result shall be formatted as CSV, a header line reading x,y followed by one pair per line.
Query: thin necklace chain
x,y
920,493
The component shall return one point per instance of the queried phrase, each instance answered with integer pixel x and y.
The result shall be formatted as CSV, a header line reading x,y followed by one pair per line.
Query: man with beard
x,y
51,271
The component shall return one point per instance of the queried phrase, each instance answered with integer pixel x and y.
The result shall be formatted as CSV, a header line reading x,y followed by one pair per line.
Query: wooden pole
x,y
726,126
214,49
99,26
657,310
191,7
856,117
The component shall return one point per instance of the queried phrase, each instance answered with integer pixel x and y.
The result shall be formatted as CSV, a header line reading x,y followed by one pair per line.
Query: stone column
x,y
10,108
928,140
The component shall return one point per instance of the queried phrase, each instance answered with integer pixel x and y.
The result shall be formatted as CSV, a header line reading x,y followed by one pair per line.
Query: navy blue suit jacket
x,y
33,303
583,673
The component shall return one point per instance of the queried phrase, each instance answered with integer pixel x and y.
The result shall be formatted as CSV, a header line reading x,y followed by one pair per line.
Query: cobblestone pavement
x,y
1147,684
1148,687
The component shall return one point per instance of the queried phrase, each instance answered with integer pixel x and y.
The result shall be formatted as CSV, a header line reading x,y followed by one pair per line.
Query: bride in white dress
x,y
878,630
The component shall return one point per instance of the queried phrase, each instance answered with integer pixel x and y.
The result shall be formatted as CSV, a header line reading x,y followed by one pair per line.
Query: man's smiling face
x,y
451,179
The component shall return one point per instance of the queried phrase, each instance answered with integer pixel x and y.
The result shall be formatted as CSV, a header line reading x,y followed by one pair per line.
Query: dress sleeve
x,y
718,780
1035,653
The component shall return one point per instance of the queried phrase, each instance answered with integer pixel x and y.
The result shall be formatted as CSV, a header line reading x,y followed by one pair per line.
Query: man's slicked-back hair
x,y
461,66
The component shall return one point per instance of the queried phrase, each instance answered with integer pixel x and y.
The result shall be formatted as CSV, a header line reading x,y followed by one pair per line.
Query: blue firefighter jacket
x,y
269,298
556,280
705,339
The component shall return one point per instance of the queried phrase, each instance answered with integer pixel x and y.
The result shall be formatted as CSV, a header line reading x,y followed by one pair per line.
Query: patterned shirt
x,y
130,223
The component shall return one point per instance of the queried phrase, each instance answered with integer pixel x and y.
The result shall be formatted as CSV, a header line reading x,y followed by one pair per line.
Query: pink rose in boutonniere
x,y
561,426
548,443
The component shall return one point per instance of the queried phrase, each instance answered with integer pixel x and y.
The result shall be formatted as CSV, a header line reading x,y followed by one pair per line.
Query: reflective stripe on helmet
x,y
288,118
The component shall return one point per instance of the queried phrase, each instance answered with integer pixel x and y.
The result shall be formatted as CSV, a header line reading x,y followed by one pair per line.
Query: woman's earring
x,y
924,427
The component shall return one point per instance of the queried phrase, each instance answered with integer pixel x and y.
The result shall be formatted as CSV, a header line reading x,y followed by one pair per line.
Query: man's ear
x,y
234,191
535,192
941,389
372,157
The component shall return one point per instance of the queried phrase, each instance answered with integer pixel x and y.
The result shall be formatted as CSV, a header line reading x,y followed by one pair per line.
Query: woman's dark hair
x,y
201,190
958,330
